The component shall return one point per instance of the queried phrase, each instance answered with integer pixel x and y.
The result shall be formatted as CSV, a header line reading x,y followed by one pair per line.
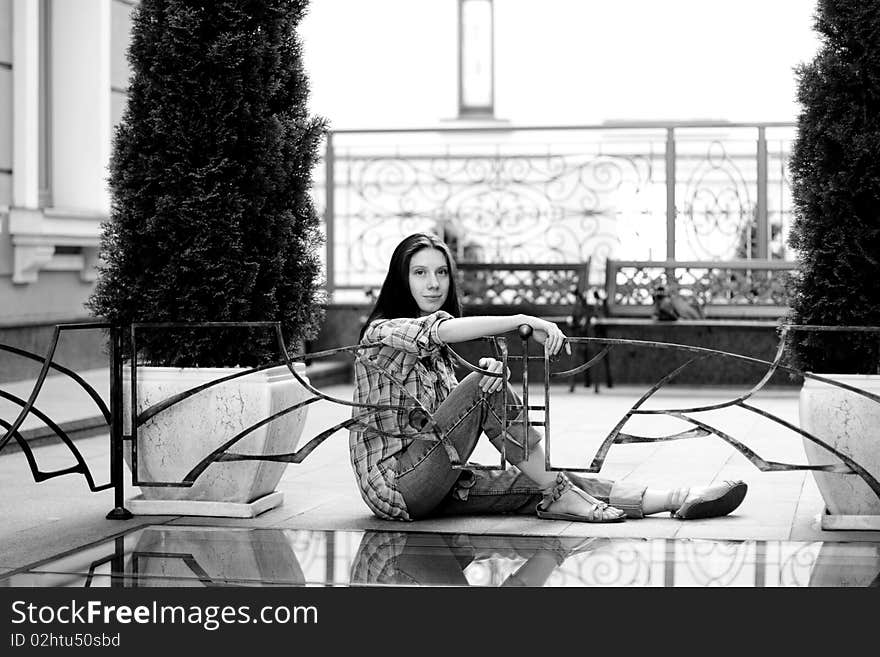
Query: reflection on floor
x,y
163,555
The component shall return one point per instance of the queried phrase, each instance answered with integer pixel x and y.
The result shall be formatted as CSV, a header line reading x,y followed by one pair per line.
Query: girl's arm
x,y
461,329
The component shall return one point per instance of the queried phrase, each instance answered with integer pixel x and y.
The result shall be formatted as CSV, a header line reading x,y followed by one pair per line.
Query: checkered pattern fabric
x,y
377,557
408,349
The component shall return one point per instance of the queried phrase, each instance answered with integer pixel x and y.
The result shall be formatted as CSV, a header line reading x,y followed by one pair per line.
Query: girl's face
x,y
429,279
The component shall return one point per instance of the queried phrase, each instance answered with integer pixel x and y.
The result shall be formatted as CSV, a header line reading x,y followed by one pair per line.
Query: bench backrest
x,y
723,289
541,289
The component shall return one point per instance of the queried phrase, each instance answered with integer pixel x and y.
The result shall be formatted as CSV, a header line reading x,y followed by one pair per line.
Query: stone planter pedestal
x,y
173,442
212,556
850,423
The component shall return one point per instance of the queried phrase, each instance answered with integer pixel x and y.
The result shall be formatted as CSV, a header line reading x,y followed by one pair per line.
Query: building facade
x,y
63,75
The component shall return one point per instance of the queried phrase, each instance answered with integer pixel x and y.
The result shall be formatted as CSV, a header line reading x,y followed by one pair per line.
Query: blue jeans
x,y
430,486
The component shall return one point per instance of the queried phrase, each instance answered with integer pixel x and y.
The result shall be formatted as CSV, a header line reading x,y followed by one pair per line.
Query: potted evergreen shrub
x,y
212,221
835,170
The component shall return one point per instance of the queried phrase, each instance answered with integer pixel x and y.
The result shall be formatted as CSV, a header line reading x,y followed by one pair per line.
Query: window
x,y
476,59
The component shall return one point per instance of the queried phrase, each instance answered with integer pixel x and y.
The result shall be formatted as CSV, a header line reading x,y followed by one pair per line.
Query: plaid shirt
x,y
410,351
376,559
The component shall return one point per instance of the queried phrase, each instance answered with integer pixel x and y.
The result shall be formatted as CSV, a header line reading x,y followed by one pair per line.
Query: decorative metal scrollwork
x,y
490,207
596,194
717,208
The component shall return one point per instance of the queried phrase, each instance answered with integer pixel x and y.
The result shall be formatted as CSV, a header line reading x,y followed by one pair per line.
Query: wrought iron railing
x,y
652,191
112,415
420,417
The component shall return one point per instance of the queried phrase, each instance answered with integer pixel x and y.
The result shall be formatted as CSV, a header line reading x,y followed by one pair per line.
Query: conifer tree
x,y
211,218
835,169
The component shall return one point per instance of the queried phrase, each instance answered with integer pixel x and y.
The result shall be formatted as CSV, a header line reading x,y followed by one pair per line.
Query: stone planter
x,y
206,556
846,565
850,424
174,441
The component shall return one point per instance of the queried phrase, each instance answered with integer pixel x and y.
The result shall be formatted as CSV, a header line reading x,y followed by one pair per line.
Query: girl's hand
x,y
549,335
492,383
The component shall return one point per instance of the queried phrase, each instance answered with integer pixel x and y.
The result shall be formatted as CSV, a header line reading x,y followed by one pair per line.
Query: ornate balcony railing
x,y
652,191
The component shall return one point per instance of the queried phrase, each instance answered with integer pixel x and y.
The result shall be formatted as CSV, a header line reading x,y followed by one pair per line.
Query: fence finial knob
x,y
525,331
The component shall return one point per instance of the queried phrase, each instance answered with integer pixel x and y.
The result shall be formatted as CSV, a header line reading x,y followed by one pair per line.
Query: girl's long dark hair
x,y
395,298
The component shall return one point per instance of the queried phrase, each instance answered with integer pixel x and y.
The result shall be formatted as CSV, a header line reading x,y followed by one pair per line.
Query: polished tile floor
x,y
176,555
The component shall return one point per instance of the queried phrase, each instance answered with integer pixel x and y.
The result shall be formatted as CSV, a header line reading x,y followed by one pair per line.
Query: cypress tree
x,y
211,218
835,169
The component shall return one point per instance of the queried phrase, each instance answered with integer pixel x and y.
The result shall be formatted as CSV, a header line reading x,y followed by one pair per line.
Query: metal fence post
x,y
329,213
670,193
760,564
762,245
117,474
670,202
668,563
117,564
330,558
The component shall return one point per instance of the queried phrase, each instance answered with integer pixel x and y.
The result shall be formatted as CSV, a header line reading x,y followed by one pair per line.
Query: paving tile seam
x,y
800,510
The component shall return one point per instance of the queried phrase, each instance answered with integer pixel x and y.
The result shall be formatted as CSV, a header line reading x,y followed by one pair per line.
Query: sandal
x,y
600,511
714,501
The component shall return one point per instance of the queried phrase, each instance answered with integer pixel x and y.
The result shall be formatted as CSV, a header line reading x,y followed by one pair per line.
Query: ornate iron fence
x,y
112,415
649,191
420,417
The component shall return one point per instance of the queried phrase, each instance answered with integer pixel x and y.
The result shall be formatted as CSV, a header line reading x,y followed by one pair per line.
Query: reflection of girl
x,y
403,476
417,559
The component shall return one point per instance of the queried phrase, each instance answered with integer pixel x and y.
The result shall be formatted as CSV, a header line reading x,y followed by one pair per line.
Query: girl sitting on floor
x,y
406,475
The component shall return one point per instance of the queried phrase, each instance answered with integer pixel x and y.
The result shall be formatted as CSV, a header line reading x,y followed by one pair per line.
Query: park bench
x,y
748,296
556,292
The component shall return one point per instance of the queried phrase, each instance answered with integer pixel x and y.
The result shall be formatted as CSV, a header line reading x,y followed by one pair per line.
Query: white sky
x,y
393,63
